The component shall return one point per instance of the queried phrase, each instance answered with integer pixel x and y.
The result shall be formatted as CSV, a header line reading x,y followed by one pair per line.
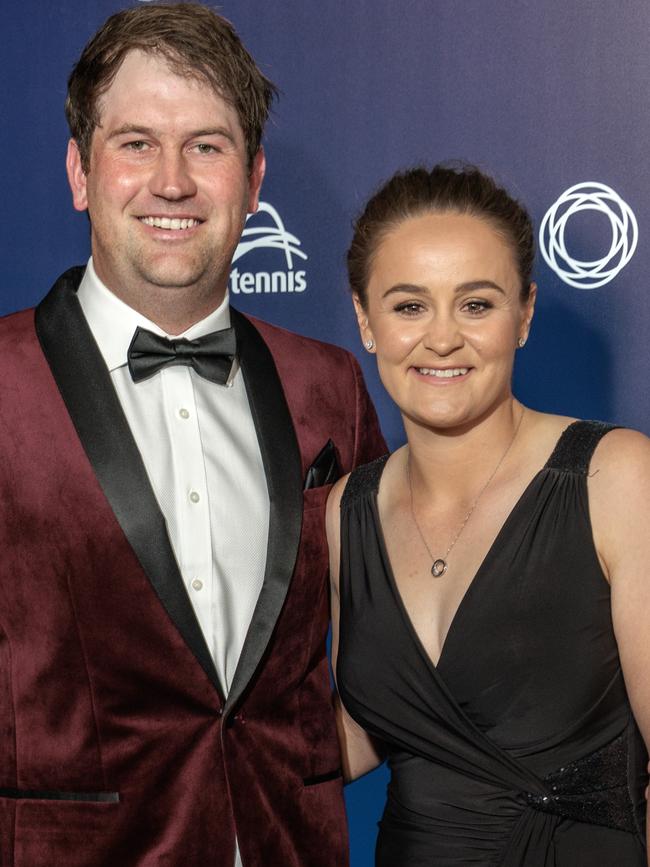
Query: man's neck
x,y
174,310
175,318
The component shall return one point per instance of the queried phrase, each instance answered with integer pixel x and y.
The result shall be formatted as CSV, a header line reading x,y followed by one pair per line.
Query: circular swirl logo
x,y
588,274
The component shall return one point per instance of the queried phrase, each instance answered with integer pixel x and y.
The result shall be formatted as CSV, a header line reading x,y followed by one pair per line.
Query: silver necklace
x,y
439,564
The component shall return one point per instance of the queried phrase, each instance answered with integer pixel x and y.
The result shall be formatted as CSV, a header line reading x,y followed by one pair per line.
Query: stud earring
x,y
369,344
521,342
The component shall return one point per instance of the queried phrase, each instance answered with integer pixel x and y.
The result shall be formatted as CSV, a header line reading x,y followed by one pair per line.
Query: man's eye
x,y
204,148
137,145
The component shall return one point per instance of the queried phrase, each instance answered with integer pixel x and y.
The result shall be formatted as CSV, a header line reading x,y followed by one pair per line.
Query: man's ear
x,y
255,178
364,328
76,177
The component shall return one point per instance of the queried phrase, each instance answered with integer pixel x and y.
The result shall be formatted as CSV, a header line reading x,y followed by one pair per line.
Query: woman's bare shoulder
x,y
623,450
619,473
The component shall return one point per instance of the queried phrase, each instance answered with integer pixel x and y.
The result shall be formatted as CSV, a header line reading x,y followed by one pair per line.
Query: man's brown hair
x,y
195,42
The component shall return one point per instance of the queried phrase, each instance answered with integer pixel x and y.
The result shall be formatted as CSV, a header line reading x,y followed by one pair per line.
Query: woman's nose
x,y
443,334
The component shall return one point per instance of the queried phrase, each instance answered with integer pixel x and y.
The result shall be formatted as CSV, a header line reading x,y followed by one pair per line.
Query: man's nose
x,y
172,178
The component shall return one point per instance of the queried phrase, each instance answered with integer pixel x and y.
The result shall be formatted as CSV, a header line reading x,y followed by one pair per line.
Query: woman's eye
x,y
410,308
475,307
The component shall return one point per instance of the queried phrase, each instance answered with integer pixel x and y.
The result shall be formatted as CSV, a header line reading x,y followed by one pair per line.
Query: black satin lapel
x,y
84,382
282,465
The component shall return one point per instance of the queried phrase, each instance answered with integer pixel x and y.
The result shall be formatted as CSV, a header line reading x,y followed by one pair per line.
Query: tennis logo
x,y
591,273
273,237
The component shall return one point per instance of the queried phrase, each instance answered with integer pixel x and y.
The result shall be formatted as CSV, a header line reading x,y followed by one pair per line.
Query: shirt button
x,y
194,497
184,413
197,584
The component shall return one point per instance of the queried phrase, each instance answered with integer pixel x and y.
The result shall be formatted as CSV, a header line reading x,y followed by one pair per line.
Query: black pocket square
x,y
325,470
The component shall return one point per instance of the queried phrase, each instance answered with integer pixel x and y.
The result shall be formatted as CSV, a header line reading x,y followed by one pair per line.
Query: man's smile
x,y
170,222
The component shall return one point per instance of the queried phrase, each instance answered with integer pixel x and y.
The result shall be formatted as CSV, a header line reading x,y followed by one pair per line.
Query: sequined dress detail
x,y
519,746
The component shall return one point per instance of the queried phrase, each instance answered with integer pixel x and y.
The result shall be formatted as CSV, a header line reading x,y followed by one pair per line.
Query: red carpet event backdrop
x,y
552,97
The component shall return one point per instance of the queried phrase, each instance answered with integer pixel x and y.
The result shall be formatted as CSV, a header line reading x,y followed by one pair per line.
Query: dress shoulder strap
x,y
363,480
576,445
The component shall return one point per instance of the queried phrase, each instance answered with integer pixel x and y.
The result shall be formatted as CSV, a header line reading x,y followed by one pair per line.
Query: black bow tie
x,y
211,356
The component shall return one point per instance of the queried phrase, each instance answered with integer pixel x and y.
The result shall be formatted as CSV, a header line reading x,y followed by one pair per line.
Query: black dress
x,y
519,747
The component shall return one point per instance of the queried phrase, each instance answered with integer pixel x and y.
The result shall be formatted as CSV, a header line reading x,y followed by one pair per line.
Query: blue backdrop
x,y
544,95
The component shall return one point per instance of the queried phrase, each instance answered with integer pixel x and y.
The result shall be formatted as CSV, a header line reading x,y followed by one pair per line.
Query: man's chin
x,y
174,277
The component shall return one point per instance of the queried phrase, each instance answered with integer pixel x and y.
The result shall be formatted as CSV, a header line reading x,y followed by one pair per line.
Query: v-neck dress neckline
x,y
473,588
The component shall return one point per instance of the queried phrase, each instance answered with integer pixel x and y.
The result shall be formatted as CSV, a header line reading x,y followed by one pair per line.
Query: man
x,y
163,608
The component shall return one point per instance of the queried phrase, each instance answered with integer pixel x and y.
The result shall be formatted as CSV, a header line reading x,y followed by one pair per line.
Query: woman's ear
x,y
529,310
364,328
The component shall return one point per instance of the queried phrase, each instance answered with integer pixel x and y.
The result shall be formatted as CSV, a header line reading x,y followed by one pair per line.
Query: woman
x,y
490,585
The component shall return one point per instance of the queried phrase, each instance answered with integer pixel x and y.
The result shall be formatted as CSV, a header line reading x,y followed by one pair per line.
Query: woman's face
x,y
444,311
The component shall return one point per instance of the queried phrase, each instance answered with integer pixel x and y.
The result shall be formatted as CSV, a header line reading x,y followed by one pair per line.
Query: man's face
x,y
168,186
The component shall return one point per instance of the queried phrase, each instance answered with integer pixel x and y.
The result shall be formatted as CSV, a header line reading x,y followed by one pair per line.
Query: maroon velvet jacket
x,y
116,746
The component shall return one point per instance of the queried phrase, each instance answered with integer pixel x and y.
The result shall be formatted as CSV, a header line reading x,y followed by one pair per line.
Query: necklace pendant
x,y
439,567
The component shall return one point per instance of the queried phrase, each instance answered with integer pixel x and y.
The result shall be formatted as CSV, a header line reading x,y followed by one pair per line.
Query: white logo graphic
x,y
593,273
273,237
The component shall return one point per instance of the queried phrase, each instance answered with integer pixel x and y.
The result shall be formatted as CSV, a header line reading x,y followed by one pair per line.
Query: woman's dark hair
x,y
461,189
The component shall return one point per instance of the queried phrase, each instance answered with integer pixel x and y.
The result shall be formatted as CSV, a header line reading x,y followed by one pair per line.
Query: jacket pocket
x,y
55,795
315,498
322,778
56,831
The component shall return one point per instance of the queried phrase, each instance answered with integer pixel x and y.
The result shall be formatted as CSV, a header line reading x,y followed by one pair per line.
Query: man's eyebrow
x,y
136,129
132,129
212,130
469,286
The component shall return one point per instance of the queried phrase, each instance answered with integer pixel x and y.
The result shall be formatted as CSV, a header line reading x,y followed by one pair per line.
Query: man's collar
x,y
113,322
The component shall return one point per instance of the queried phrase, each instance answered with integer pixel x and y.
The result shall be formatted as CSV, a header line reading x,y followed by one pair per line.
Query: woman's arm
x,y
359,752
619,500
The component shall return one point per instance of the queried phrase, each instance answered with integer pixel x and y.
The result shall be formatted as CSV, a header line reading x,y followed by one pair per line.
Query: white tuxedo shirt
x,y
200,450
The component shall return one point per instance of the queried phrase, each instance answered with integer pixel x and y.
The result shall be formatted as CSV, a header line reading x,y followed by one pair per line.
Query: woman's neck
x,y
451,460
